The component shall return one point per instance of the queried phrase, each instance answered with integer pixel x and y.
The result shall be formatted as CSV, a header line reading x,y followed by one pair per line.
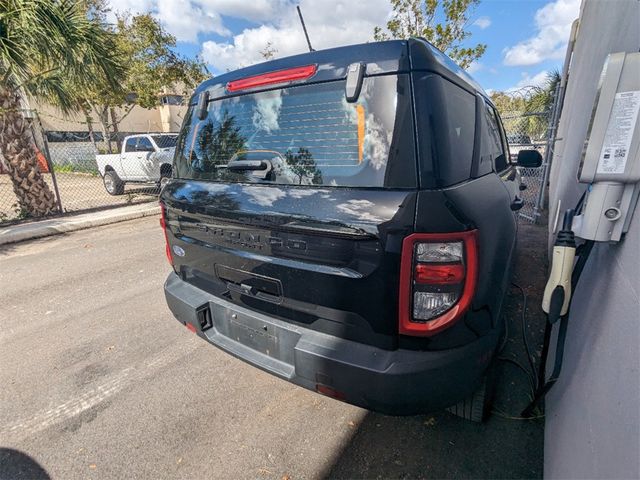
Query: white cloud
x,y
553,26
133,6
191,20
474,67
338,22
186,19
483,22
537,80
333,22
252,10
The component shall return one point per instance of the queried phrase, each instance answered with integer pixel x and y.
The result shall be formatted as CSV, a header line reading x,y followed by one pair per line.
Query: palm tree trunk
x,y
89,122
35,199
104,126
114,126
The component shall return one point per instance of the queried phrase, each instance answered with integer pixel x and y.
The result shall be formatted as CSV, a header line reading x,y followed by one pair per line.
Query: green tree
x,y
303,166
216,145
419,18
151,64
528,110
45,46
269,51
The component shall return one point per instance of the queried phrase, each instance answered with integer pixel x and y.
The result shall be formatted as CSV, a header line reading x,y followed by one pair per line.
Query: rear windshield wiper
x,y
248,165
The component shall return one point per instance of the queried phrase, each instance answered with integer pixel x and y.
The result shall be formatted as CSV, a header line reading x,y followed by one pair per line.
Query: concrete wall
x,y
172,117
165,118
593,412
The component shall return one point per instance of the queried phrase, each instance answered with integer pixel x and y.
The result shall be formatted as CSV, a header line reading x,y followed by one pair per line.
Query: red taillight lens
x,y
272,78
438,275
163,224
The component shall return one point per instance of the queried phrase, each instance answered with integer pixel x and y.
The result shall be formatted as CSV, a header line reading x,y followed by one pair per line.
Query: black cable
x,y
513,361
543,388
530,373
578,209
545,352
530,359
582,260
505,337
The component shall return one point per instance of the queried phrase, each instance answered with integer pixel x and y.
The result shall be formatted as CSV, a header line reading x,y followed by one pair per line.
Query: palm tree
x,y
50,49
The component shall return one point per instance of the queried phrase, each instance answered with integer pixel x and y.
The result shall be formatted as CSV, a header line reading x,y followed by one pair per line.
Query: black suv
x,y
345,220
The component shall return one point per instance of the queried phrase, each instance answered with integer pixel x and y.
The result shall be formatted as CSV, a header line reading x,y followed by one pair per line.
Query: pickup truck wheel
x,y
112,183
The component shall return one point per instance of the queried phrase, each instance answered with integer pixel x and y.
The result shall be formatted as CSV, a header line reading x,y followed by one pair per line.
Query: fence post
x,y
548,154
47,154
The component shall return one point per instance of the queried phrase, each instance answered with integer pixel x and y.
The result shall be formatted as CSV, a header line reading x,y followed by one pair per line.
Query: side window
x,y
144,145
503,136
130,146
461,122
493,142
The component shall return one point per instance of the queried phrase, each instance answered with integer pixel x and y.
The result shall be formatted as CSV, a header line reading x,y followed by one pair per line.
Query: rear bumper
x,y
399,382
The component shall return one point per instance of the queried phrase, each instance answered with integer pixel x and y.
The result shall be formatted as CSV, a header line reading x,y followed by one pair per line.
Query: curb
x,y
56,226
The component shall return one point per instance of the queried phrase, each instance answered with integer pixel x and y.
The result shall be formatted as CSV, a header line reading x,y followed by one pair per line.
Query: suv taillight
x,y
438,273
163,224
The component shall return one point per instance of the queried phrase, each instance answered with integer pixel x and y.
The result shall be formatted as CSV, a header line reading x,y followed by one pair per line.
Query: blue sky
x,y
525,38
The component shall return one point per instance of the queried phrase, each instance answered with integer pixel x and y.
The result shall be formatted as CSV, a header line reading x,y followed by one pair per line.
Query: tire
x,y
165,176
112,183
477,406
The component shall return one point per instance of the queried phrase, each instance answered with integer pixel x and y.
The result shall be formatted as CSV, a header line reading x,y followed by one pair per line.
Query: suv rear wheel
x,y
475,407
112,183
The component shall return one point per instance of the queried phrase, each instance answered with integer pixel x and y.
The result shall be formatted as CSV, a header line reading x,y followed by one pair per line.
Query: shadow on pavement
x,y
444,446
16,465
441,446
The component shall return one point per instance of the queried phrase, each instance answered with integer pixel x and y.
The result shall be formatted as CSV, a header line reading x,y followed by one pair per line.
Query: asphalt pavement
x,y
97,380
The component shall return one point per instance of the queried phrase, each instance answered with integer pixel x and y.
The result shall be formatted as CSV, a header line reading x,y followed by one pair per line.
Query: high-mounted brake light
x,y
272,78
163,224
438,275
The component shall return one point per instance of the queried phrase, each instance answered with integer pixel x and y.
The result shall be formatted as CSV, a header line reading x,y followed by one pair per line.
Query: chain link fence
x,y
68,163
532,130
525,132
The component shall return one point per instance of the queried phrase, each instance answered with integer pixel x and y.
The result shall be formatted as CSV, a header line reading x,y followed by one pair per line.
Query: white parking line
x,y
86,400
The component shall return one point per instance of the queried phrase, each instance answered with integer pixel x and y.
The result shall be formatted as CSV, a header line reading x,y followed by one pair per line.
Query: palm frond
x,y
55,36
55,89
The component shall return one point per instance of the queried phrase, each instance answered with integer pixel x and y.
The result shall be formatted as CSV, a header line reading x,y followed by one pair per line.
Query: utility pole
x,y
304,28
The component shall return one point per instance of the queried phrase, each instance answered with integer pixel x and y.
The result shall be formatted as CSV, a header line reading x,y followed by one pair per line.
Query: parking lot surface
x,y
99,381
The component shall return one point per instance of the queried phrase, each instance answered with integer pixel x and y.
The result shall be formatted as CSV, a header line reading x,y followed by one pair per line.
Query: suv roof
x,y
393,56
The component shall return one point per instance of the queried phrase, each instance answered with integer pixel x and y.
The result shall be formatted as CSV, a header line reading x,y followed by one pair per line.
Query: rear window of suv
x,y
305,135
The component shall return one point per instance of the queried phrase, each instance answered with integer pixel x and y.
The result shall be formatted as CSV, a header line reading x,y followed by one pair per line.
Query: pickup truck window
x,y
305,135
165,141
144,145
130,145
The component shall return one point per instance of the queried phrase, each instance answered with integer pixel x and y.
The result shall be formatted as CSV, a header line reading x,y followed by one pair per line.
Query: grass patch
x,y
71,168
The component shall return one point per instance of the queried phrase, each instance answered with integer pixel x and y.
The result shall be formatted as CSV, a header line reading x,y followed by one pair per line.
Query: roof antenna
x,y
304,28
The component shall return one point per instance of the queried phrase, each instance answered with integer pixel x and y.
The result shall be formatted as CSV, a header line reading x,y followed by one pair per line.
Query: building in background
x,y
165,118
69,142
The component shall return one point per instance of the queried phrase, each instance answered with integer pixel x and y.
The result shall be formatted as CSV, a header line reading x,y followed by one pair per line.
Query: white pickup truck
x,y
144,159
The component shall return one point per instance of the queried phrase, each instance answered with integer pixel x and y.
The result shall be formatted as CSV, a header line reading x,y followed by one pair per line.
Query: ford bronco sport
x,y
345,219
